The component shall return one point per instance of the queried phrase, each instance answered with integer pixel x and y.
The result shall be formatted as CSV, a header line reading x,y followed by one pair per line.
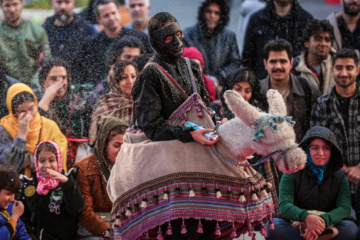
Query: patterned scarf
x,y
105,128
47,184
318,172
115,103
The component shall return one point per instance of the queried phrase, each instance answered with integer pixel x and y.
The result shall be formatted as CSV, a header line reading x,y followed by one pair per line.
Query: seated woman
x,y
244,81
24,128
317,198
118,102
62,102
93,173
51,210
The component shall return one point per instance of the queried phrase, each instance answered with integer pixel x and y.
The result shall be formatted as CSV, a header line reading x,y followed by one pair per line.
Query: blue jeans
x,y
347,230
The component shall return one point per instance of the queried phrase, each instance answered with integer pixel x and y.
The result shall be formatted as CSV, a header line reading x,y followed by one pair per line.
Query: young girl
x,y
52,200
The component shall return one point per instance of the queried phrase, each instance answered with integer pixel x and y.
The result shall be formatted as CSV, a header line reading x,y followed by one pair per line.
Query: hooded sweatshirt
x,y
300,192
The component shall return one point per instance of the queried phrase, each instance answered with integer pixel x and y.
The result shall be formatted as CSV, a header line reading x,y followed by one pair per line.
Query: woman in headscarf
x,y
118,102
244,81
93,174
23,128
315,201
52,199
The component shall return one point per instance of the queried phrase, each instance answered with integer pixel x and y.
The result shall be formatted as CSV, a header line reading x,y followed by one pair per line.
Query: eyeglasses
x,y
320,39
212,11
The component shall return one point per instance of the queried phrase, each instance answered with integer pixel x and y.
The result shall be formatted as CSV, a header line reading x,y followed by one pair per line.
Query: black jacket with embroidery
x,y
156,99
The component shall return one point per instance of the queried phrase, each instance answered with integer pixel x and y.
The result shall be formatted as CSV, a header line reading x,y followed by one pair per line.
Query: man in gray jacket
x,y
298,93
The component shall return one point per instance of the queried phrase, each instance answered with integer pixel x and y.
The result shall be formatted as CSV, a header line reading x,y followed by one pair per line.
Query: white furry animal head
x,y
267,132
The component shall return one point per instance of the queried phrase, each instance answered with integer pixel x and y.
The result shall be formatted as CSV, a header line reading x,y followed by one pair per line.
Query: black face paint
x,y
169,40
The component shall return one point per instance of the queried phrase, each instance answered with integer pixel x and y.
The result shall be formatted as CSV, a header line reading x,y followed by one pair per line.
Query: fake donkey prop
x,y
153,183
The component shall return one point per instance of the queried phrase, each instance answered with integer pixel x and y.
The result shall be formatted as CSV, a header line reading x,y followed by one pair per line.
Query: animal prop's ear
x,y
241,108
276,103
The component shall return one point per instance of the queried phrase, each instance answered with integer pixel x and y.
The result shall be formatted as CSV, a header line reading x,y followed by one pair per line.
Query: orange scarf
x,y
40,128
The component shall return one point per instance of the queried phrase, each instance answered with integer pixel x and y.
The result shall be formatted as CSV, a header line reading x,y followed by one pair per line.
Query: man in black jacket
x,y
279,19
67,33
94,53
216,43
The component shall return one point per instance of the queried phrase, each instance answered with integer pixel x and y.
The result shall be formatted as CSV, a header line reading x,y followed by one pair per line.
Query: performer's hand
x,y
198,136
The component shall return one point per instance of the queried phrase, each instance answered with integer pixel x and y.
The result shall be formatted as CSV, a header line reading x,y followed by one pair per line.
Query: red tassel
x,y
271,224
199,111
184,119
217,230
169,230
251,231
183,228
263,230
200,228
233,232
159,236
254,237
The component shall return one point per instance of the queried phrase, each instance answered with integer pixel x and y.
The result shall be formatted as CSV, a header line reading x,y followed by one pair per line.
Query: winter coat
x,y
220,50
69,46
20,230
301,108
92,59
44,220
266,25
93,187
303,71
337,43
22,50
156,99
300,191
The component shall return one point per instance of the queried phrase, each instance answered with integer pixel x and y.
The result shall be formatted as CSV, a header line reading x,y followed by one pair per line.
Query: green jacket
x,y
22,49
289,210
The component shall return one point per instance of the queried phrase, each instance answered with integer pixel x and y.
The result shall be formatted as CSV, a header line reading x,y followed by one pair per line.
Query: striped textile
x,y
198,207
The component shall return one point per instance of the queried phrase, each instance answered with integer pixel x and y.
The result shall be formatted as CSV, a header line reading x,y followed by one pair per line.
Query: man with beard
x,y
67,32
347,26
24,45
339,111
92,59
139,12
298,93
279,19
315,62
216,43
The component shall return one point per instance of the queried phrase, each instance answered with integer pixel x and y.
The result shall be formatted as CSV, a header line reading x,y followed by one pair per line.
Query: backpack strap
x,y
308,93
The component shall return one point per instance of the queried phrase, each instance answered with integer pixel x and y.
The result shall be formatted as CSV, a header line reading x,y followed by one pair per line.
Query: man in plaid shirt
x,y
339,110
